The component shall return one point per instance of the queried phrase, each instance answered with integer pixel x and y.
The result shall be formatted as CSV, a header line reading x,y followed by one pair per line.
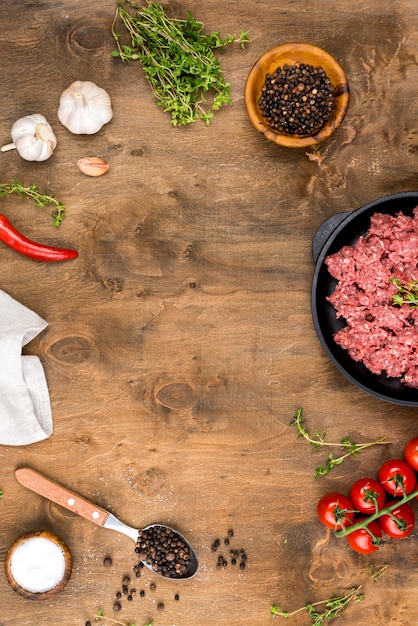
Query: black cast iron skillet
x,y
340,230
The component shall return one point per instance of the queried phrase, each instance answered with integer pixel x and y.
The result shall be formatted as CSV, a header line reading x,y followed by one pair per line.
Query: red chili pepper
x,y
14,239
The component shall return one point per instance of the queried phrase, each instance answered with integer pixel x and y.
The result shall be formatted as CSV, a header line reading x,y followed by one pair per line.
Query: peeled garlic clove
x,y
93,166
84,108
33,138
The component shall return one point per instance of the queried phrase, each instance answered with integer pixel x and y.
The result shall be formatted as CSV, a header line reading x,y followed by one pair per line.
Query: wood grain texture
x,y
180,342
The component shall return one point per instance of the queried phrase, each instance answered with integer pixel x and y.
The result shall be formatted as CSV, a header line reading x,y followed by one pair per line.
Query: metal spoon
x,y
64,497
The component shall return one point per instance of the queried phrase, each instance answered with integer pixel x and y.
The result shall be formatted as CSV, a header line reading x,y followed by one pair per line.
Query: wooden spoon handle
x,y
60,495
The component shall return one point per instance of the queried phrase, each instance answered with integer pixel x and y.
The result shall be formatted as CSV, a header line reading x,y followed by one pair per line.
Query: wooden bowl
x,y
35,564
290,54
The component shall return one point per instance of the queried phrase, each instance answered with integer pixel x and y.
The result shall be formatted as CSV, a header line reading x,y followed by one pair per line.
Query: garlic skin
x,y
84,108
93,166
33,138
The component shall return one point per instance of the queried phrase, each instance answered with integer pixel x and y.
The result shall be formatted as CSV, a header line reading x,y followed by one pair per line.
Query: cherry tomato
x,y
410,453
405,521
365,492
396,477
365,541
335,510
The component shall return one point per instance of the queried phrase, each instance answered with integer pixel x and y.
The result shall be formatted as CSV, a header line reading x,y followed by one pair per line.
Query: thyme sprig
x,y
376,573
318,440
102,618
178,59
332,608
406,294
41,199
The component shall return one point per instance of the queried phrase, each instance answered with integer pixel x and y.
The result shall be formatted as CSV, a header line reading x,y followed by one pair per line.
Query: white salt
x,y
37,564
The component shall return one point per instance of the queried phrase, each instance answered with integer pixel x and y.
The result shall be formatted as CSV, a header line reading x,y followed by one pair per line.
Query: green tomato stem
x,y
347,530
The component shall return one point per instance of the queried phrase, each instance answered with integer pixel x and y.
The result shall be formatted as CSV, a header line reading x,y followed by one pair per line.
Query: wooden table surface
x,y
180,342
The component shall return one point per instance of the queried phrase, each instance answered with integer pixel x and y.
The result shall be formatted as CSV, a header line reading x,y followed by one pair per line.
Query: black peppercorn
x,y
107,561
164,550
297,99
215,545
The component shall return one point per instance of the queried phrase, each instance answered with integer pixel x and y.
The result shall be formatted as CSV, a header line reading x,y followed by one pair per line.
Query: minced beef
x,y
380,334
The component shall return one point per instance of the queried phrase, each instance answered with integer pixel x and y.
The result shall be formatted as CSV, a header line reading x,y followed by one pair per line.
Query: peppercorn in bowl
x,y
296,95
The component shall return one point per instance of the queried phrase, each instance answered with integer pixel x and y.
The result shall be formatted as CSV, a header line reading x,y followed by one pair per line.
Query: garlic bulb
x,y
33,138
84,108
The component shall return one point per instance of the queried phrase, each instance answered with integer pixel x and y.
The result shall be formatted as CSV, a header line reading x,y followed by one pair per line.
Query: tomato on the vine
x,y
366,493
397,477
366,540
410,453
335,510
400,522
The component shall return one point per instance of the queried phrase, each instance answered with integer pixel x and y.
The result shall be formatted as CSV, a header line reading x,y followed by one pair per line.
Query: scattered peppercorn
x,y
160,606
107,561
88,623
215,545
297,99
142,593
222,562
118,595
117,607
236,555
177,597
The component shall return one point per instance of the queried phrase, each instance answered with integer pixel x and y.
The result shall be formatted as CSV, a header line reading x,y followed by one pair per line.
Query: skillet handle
x,y
60,495
325,231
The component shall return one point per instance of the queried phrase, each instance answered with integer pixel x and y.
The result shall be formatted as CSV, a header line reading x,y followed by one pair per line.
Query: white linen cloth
x,y
25,408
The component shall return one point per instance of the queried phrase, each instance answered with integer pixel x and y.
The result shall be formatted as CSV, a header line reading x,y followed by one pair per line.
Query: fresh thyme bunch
x,y
177,58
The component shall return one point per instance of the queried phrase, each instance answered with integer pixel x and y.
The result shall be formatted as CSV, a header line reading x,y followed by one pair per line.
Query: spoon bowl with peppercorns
x,y
296,95
159,548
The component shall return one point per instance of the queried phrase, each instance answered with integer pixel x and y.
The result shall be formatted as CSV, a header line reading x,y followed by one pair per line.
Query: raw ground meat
x,y
378,333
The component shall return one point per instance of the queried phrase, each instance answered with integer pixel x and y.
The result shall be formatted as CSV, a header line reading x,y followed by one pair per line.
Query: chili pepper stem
x,y
347,530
